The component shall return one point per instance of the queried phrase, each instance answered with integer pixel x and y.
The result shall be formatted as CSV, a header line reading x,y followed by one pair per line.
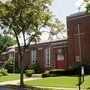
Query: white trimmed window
x,y
47,57
33,56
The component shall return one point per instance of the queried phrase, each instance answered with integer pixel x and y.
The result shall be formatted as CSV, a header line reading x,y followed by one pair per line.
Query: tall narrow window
x,y
47,57
33,56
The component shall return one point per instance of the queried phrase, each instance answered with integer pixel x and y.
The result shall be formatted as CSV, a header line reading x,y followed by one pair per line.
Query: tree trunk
x,y
21,60
21,70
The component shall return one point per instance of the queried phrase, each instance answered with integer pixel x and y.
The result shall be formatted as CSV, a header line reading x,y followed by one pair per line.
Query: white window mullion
x,y
33,56
47,58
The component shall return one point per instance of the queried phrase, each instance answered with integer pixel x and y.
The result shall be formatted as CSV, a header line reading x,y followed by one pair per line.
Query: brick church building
x,y
49,55
62,54
78,26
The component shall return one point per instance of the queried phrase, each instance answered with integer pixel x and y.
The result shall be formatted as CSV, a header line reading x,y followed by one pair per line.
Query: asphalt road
x,y
4,88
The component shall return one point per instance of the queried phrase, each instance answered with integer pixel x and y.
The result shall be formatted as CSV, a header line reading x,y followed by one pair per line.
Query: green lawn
x,y
62,81
9,77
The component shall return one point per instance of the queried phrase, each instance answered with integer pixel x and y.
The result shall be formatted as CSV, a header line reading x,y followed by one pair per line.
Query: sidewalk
x,y
57,88
16,82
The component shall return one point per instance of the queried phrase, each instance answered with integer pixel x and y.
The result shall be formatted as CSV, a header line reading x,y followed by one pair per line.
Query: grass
x,y
9,77
62,81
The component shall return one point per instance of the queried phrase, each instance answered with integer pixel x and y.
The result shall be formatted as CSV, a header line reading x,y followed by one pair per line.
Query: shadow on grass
x,y
25,87
88,88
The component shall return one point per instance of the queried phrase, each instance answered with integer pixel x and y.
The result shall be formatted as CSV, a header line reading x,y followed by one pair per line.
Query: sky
x,y
63,8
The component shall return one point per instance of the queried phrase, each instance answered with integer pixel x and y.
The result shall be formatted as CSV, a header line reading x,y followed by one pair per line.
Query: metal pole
x,y
79,78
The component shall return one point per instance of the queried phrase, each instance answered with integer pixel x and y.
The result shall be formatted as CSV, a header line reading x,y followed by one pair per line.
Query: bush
x,y
60,72
9,65
87,69
29,73
45,74
4,72
57,72
36,68
70,72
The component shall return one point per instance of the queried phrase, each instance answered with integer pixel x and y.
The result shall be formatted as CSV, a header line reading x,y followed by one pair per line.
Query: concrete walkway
x,y
58,88
3,85
16,82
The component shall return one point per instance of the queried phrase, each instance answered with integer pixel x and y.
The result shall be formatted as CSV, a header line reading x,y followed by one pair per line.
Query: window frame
x,y
47,57
33,56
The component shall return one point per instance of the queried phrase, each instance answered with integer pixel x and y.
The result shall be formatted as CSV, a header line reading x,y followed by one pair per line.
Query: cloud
x,y
79,2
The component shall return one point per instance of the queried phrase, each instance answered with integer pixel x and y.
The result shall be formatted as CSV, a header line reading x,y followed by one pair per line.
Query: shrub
x,y
61,72
29,73
36,68
87,69
45,74
4,72
9,65
57,72
70,72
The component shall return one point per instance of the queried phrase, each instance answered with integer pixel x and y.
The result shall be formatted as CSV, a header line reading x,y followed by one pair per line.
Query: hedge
x,y
29,73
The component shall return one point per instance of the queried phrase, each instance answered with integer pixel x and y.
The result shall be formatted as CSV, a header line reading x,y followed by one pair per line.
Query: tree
x,y
6,41
26,17
87,6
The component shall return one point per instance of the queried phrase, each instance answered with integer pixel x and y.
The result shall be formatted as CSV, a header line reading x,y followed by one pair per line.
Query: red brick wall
x,y
73,42
40,50
4,57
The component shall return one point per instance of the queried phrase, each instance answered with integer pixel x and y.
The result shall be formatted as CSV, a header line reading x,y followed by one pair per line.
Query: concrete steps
x,y
36,75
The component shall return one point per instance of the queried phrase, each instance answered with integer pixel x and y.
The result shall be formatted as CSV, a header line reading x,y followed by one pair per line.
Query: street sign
x,y
82,70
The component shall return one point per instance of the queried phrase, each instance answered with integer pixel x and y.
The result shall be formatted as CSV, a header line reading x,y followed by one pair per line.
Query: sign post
x,y
78,71
82,73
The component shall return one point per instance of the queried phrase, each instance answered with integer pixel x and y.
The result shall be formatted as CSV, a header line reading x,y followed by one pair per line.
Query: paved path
x,y
58,88
16,82
13,82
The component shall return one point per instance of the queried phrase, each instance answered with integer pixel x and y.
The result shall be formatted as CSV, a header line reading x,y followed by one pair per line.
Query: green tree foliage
x,y
87,6
6,41
27,17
